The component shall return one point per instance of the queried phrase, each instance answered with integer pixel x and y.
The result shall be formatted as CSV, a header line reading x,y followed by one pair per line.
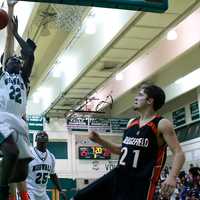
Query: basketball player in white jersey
x,y
14,78
40,169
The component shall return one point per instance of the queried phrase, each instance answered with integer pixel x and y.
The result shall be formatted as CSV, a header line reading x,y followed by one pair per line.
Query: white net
x,y
69,18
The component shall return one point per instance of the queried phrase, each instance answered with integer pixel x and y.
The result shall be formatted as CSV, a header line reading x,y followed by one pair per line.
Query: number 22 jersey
x,y
13,94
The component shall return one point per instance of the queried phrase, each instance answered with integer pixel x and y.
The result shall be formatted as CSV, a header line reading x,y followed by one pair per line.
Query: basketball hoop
x,y
69,18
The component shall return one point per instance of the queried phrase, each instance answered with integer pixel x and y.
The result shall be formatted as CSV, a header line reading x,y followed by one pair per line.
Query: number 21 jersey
x,y
141,157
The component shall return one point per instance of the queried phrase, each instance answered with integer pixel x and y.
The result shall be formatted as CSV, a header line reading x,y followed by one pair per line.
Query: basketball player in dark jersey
x,y
142,154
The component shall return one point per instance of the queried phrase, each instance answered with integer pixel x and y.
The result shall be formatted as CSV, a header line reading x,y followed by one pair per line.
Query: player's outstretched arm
x,y
114,148
27,50
9,46
23,44
55,180
165,127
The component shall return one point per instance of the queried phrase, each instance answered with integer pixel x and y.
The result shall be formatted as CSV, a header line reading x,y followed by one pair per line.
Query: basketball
x,y
3,19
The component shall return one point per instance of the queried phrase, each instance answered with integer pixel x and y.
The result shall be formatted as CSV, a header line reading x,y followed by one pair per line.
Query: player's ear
x,y
150,101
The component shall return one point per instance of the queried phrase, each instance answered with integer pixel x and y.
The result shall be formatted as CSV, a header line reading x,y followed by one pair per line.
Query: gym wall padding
x,y
58,149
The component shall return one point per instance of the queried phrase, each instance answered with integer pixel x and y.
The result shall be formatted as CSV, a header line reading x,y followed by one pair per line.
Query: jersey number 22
x,y
15,94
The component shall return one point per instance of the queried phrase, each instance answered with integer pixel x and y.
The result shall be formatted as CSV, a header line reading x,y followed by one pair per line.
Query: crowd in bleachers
x,y
187,187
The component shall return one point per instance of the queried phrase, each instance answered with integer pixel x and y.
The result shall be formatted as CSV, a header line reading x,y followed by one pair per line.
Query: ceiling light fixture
x,y
90,25
119,77
172,35
190,79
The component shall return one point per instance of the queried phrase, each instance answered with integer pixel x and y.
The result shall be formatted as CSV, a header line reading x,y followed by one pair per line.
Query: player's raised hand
x,y
15,25
95,137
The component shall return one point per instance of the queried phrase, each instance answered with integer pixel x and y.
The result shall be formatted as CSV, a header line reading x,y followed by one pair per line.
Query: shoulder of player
x,y
32,151
130,121
51,155
165,125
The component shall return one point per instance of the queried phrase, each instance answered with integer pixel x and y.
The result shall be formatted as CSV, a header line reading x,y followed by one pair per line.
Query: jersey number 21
x,y
124,151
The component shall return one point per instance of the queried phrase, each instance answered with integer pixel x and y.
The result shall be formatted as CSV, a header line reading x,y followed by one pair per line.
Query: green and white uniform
x,y
13,96
39,171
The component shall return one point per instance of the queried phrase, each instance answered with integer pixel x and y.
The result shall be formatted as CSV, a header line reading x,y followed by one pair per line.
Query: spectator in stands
x,y
187,187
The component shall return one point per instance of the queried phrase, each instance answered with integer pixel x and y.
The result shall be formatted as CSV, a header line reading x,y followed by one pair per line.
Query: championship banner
x,y
118,125
78,124
35,124
100,125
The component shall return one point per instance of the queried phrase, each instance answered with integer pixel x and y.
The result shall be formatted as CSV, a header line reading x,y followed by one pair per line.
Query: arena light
x,y
90,25
172,35
119,76
56,73
190,79
57,70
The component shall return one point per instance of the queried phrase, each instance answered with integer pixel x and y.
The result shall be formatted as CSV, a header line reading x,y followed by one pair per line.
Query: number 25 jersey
x,y
141,157
39,170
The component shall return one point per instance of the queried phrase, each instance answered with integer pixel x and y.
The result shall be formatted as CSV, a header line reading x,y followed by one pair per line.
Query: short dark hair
x,y
41,135
195,171
157,94
6,61
182,174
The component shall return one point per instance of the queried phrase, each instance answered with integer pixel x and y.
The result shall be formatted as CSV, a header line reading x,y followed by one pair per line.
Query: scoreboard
x,y
141,5
94,153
